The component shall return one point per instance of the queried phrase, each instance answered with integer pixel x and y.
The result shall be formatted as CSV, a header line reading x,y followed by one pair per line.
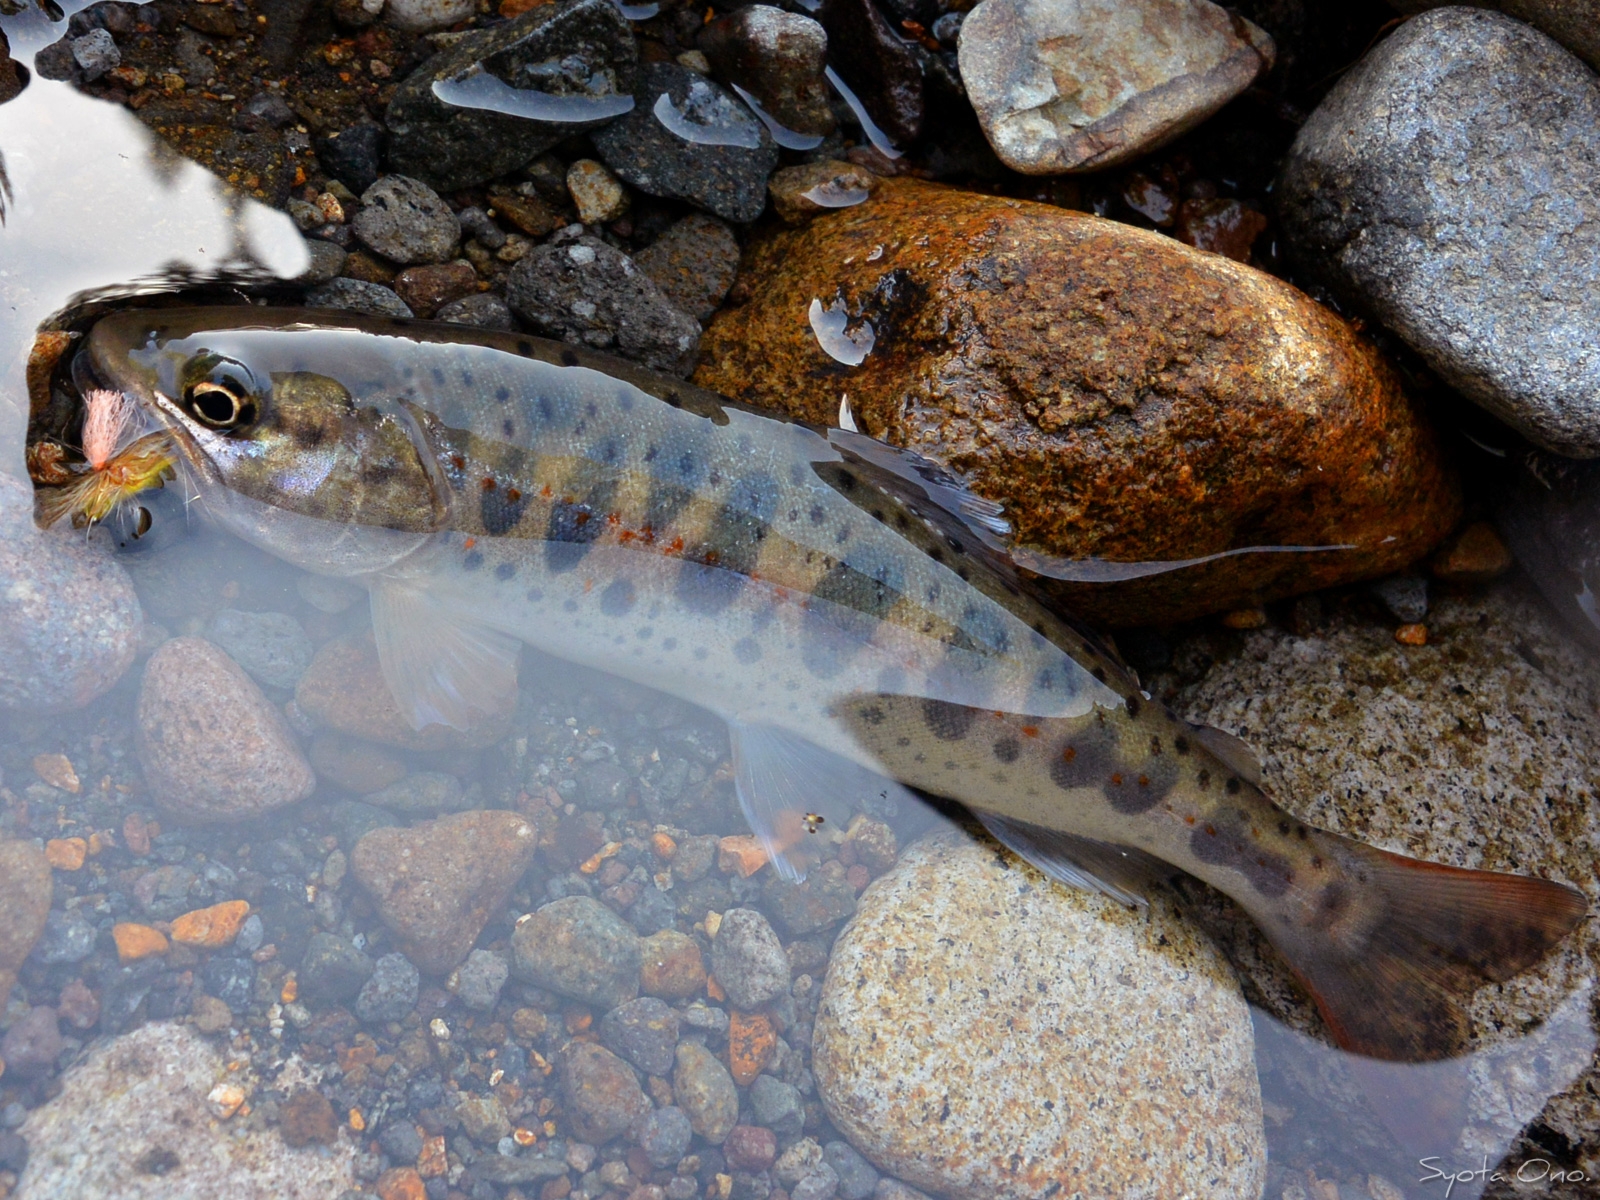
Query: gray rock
x,y
333,970
643,1031
400,1140
664,1135
484,1119
485,310
798,1161
478,980
884,69
705,1091
575,48
823,898
652,912
857,1180
96,52
591,294
479,224
422,793
748,960
1405,595
729,180
391,992
32,1044
890,1188
508,1172
231,980
1078,85
271,646
1573,23
1448,185
357,295
605,784
602,1093
68,937
327,260
405,220
69,618
820,1184
419,16
694,858
694,263
580,948
778,57
943,1101
777,1105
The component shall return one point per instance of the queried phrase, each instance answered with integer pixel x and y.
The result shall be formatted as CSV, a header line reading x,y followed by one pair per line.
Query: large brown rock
x,y
212,746
436,884
1126,397
24,905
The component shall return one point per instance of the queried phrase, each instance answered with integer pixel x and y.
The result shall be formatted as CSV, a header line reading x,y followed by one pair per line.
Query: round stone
x,y
1114,1045
405,220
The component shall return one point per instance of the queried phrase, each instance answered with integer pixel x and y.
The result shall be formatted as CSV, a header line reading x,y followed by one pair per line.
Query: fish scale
x,y
830,597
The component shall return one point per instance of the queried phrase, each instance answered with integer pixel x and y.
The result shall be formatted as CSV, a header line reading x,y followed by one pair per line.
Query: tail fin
x,y
1444,932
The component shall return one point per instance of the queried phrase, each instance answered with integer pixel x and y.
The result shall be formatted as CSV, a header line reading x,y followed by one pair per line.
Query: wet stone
x,y
32,1044
777,1105
797,1161
333,971
420,16
271,646
652,912
857,1179
356,765
823,898
671,965
400,1140
588,293
750,1148
694,858
484,1119
352,155
580,948
478,980
69,937
664,1135
230,980
210,1014
327,260
421,793
727,177
878,65
485,310
748,960
1076,85
820,1184
705,1091
1471,225
357,295
391,992
808,189
778,57
437,884
306,1119
694,263
406,221
353,820
602,1094
575,48
598,194
1405,595
212,746
426,289
643,1031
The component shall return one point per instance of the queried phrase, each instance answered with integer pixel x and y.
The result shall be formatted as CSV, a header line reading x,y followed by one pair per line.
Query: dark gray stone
x,y
602,1093
778,57
271,646
485,310
263,111
353,820
422,793
333,970
652,912
705,1091
477,982
497,1168
327,260
663,1135
588,293
391,992
748,960
1405,595
32,1044
580,948
857,1179
823,898
68,937
643,1031
1448,184
582,48
357,295
400,1140
820,1184
352,155
728,180
777,1105
405,220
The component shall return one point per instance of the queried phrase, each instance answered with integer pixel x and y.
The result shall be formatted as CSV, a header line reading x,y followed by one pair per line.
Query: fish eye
x,y
216,404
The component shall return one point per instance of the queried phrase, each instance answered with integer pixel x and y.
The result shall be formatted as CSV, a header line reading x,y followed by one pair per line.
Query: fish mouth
x,y
176,426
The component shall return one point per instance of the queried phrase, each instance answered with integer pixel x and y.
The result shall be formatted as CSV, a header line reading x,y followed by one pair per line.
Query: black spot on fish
x,y
466,379
1283,828
1232,785
524,347
646,633
505,571
947,722
472,560
535,595
1203,779
438,376
1332,903
650,452
670,644
502,394
618,598
1085,760
673,398
872,716
747,650
817,515
508,429
1181,744
1132,705
572,528
500,509
1226,843
1006,749
569,358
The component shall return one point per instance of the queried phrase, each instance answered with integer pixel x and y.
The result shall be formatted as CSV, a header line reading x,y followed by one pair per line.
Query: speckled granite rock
x,y
25,892
1448,185
985,1033
1573,23
212,746
436,884
133,1121
1480,749
69,619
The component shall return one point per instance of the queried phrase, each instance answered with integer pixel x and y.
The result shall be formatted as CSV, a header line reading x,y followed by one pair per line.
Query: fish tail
x,y
1433,935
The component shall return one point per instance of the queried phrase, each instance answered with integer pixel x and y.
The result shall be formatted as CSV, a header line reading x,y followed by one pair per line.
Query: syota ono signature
x,y
1533,1170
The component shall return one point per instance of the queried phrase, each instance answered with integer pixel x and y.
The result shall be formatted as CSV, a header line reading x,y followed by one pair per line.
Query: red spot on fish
x,y
1188,819
626,536
458,462
488,484
1033,732
1211,831
470,543
588,586
1067,755
675,546
711,558
581,519
1144,781
545,492
513,495
613,518
1116,780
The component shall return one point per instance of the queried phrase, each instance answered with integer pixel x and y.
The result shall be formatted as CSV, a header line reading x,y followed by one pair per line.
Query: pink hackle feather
x,y
109,424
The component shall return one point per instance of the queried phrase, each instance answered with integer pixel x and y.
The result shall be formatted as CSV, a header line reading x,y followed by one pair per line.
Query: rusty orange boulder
x,y
1127,399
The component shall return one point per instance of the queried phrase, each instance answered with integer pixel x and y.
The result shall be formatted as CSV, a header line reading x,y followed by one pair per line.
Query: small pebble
x,y
484,310
602,1094
405,220
356,295
391,992
96,52
643,1031
1475,555
1413,634
580,948
705,1091
748,960
69,937
477,981
333,970
777,1105
664,1135
598,194
32,1044
857,1179
750,1148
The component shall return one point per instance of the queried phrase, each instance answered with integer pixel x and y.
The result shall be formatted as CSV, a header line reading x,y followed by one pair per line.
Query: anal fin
x,y
442,666
1120,872
784,781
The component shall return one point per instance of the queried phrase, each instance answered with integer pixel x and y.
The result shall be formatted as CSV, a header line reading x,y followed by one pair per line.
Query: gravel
x,y
478,980
358,295
664,1135
705,1091
271,646
333,970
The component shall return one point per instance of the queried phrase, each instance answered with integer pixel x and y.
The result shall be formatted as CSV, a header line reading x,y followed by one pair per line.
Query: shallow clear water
x,y
95,209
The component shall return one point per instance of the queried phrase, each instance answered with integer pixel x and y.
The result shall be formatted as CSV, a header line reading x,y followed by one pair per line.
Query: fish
x,y
835,600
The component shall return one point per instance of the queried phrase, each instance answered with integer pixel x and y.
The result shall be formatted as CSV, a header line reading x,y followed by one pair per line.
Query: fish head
x,y
273,438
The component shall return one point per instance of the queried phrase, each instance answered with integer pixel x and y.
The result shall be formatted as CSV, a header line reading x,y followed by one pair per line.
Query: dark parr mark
x,y
500,508
1226,843
947,722
747,650
1006,749
573,527
568,358
617,599
472,560
505,571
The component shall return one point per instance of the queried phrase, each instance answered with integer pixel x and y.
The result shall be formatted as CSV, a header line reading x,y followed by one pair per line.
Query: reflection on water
x,y
605,768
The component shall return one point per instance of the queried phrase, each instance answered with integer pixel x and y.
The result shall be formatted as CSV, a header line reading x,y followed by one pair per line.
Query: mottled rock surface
x,y
437,883
602,1093
1573,23
1077,85
694,263
580,948
975,1014
1124,397
1480,749
132,1121
25,891
1448,185
778,57
212,746
69,619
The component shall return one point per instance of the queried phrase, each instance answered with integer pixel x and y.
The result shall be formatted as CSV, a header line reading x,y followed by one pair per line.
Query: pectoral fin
x,y
443,667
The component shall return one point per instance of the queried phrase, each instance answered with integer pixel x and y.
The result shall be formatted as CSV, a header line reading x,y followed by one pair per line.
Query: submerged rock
x,y
974,1010
1126,398
212,746
69,618
1448,184
1077,85
25,891
437,884
133,1121
580,948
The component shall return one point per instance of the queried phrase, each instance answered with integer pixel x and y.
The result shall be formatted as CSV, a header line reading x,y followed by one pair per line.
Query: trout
x,y
833,599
